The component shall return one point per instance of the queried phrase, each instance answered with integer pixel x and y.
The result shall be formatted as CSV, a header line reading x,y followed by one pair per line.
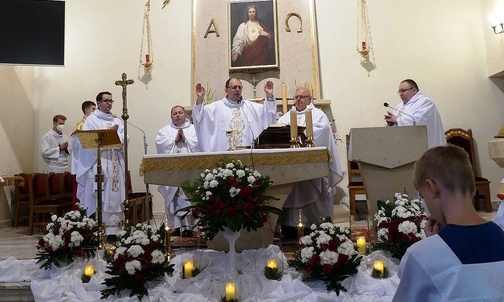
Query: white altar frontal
x,y
283,166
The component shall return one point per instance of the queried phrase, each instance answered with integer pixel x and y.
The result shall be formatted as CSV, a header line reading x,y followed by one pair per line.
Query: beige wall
x,y
443,45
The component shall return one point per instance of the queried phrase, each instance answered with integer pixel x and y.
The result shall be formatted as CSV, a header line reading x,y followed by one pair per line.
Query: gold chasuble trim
x,y
208,161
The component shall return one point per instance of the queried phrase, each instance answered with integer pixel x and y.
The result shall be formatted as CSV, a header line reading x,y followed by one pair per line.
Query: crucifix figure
x,y
124,83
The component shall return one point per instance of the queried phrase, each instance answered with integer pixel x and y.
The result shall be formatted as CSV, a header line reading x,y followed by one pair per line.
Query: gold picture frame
x,y
252,21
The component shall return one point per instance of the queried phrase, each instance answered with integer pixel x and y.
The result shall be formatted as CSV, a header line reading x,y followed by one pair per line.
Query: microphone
x,y
239,101
402,112
144,137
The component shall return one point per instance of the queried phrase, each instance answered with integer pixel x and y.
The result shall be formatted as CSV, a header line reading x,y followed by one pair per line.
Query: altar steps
x,y
10,292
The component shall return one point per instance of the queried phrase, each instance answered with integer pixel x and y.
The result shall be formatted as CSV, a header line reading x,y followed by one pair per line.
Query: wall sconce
x,y
498,30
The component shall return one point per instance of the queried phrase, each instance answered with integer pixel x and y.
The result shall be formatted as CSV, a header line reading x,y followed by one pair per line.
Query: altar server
x,y
88,107
233,121
177,137
56,147
112,161
314,197
462,258
417,109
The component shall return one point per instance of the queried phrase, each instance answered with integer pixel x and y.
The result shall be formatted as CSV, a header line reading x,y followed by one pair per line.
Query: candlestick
x,y
89,270
361,245
188,268
293,129
379,267
309,128
284,98
230,291
272,263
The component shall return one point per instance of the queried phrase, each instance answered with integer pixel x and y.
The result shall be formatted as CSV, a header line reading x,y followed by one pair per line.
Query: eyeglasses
x,y
236,87
108,101
403,90
301,97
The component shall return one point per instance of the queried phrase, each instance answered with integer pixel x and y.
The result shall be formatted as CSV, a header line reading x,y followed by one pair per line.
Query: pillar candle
x,y
230,291
364,45
188,268
89,270
310,88
309,123
284,98
361,245
378,266
293,124
147,58
272,263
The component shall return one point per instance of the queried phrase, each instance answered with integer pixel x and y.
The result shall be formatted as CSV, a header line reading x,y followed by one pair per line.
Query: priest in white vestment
x,y
315,197
232,122
56,147
112,161
177,137
417,109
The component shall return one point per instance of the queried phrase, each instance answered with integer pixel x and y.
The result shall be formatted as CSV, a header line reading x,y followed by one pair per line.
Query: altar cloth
x,y
65,284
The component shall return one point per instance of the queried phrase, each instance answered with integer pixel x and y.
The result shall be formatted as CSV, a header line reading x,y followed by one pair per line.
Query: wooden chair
x,y
355,187
464,139
137,202
22,201
41,206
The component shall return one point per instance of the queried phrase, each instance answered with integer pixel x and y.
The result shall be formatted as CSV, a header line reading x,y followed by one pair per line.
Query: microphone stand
x,y
147,190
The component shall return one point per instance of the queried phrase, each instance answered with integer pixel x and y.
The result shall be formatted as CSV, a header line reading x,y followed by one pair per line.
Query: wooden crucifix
x,y
124,83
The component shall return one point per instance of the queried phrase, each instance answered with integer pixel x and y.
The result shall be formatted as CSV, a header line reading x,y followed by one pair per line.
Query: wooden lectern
x,y
99,139
386,156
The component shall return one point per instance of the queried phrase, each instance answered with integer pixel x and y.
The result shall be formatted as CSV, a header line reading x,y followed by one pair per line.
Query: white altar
x,y
283,166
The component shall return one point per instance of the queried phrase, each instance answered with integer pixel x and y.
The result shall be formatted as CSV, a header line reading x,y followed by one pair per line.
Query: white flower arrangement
x,y
73,235
400,224
231,195
327,253
139,258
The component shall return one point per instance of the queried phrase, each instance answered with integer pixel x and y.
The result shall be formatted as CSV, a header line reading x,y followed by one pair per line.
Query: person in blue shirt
x,y
462,257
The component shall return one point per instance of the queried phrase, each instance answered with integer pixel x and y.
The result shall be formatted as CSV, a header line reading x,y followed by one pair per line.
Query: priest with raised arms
x,y
242,119
315,197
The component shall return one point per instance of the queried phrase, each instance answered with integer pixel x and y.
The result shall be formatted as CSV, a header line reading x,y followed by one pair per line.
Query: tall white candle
x,y
284,98
293,124
309,123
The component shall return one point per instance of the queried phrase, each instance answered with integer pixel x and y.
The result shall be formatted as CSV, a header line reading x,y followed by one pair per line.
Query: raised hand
x,y
200,93
268,89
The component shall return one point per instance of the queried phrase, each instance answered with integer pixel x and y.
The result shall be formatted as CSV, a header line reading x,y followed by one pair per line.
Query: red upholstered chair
x,y
41,206
464,139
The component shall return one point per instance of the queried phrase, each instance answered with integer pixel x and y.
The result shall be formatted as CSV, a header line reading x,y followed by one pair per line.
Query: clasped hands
x,y
180,137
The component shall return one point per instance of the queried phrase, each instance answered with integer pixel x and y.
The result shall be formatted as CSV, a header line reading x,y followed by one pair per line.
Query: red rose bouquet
x,y
230,195
328,254
399,224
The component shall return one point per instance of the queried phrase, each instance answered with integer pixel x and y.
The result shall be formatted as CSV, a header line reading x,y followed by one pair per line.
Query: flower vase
x,y
231,237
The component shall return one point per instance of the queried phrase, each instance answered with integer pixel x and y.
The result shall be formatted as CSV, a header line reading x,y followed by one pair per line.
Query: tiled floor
x,y
14,242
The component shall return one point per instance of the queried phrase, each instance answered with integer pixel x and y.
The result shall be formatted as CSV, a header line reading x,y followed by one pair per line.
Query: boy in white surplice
x,y
462,258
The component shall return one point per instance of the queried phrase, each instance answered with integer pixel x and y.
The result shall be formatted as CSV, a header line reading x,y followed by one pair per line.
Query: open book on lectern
x,y
104,138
